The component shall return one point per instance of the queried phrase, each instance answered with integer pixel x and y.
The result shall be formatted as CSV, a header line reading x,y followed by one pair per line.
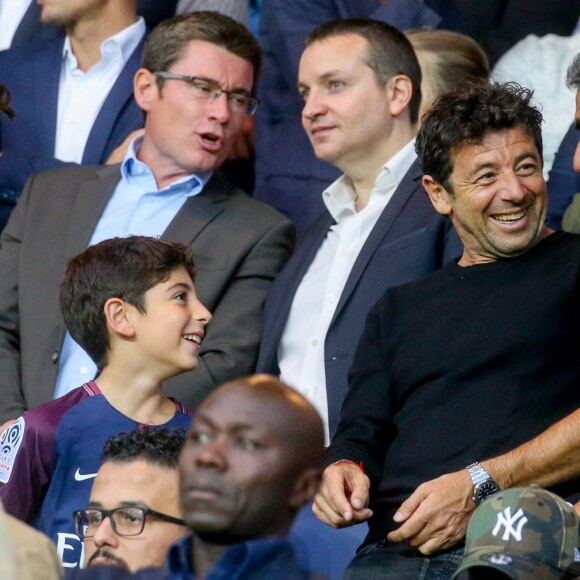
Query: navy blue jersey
x,y
50,456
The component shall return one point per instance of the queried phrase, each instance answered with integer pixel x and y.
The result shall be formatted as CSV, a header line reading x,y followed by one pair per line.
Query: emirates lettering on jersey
x,y
66,543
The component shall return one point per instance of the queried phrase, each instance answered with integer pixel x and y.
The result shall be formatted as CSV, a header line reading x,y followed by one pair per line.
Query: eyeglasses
x,y
126,521
205,89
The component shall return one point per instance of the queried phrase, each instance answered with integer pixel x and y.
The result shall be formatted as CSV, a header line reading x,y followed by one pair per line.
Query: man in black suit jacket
x,y
195,87
360,83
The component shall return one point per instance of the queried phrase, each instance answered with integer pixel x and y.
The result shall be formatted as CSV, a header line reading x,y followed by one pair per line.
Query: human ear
x,y
438,195
400,93
305,487
117,315
145,88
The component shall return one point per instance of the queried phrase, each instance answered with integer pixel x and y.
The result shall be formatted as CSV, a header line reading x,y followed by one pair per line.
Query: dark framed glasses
x,y
204,89
125,521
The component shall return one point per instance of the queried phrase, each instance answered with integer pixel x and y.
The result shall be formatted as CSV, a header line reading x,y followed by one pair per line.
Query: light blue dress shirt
x,y
137,207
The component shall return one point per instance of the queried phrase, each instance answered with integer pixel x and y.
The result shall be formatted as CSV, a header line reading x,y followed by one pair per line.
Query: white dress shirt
x,y
301,348
82,94
11,14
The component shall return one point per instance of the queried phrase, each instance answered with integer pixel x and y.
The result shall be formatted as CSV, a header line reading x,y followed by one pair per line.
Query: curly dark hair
x,y
5,102
464,116
157,446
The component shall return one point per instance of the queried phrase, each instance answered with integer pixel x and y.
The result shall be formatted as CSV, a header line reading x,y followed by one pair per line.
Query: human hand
x,y
436,515
343,496
119,153
577,508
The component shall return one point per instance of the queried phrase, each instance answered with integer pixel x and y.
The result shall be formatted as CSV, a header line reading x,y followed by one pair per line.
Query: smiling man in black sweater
x,y
469,363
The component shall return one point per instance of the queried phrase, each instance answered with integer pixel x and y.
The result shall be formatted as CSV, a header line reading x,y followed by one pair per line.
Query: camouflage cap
x,y
526,533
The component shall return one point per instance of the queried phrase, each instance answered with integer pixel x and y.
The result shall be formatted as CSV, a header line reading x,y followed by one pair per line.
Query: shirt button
x,y
345,251
305,392
315,342
54,357
84,370
331,298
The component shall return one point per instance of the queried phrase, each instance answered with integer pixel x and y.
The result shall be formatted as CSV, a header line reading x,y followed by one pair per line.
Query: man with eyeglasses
x,y
133,515
244,472
195,88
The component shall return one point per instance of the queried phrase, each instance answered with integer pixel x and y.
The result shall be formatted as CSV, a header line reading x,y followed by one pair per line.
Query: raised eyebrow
x,y
235,90
180,286
324,77
526,155
482,167
233,428
130,504
330,74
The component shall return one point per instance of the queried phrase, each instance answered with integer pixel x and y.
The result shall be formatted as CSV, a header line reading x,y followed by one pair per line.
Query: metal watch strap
x,y
477,473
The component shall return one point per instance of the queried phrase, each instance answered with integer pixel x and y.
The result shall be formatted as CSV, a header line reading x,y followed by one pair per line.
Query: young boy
x,y
131,304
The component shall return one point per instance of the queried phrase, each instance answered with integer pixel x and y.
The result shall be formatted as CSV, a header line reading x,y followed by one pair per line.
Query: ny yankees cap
x,y
527,533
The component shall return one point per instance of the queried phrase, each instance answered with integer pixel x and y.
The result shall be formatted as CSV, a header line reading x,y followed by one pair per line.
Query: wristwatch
x,y
483,484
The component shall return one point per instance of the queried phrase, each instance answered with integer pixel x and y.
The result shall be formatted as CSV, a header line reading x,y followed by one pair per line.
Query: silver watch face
x,y
484,490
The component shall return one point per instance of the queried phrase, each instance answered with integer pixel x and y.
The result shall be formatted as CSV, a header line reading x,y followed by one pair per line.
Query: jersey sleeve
x,y
26,452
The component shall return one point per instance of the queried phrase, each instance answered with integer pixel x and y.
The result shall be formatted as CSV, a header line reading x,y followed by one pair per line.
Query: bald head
x,y
286,413
252,458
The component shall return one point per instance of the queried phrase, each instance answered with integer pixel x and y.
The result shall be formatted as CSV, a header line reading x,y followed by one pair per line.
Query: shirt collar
x,y
123,44
133,169
179,555
340,196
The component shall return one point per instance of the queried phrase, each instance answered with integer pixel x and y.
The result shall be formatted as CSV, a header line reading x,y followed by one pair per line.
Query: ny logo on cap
x,y
506,520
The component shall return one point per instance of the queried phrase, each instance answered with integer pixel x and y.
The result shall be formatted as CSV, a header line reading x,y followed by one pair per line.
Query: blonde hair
x,y
447,60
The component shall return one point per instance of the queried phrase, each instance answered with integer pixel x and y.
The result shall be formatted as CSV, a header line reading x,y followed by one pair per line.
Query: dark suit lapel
x,y
28,27
88,206
45,82
31,29
381,230
198,211
117,99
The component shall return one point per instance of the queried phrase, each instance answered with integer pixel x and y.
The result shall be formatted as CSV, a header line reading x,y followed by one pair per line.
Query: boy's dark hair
x,y
157,446
169,39
122,268
464,116
389,52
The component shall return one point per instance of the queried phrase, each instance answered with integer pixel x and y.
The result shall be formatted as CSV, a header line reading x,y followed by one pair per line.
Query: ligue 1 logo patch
x,y
9,444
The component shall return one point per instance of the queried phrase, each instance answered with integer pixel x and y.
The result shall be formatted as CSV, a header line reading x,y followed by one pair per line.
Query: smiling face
x,y
134,484
170,331
239,467
347,114
184,134
499,197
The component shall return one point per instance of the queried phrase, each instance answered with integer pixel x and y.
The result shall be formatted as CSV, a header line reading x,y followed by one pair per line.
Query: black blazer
x,y
409,241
